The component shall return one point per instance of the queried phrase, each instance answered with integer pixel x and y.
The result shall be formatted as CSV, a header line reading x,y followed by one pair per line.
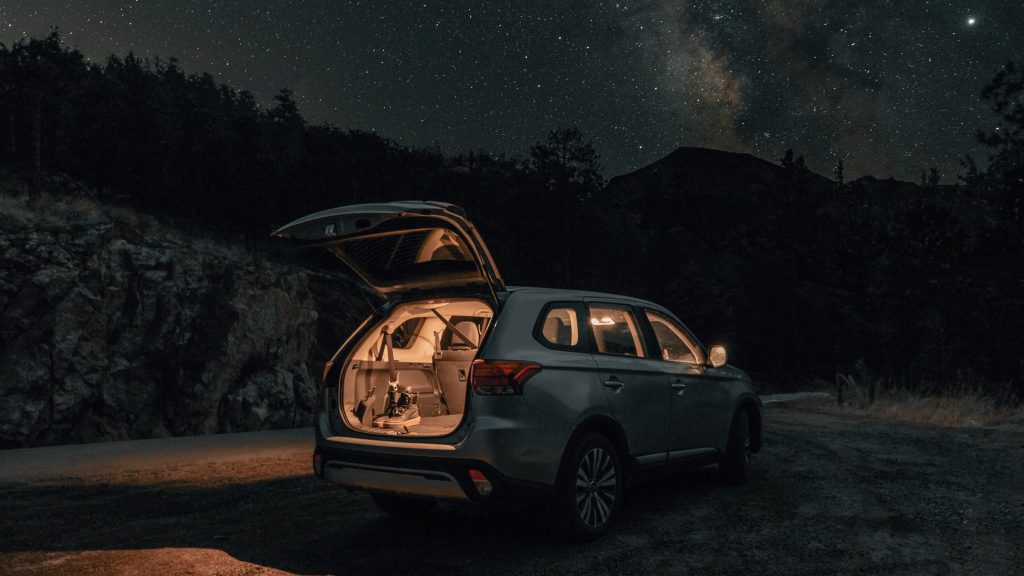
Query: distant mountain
x,y
709,167
702,182
709,191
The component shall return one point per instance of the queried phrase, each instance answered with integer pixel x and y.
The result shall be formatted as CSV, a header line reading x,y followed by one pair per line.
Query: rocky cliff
x,y
113,326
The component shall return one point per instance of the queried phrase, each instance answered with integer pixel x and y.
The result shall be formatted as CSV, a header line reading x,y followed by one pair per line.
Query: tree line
x,y
920,285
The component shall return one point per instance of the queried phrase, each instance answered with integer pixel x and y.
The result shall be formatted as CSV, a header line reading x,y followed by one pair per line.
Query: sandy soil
x,y
832,495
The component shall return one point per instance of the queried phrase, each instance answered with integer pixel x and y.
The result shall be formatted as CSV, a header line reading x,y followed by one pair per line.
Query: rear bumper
x,y
411,482
433,478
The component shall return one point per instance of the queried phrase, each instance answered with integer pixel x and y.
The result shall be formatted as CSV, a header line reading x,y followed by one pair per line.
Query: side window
x,y
404,336
673,342
560,327
615,330
449,341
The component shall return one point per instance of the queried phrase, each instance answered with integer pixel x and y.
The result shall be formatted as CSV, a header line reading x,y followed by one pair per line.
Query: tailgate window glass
x,y
408,255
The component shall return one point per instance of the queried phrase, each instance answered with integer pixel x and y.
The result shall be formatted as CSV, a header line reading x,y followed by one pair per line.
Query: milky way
x,y
890,87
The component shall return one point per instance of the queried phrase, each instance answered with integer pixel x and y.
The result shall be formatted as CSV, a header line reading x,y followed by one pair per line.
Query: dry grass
x,y
950,410
49,209
65,206
56,211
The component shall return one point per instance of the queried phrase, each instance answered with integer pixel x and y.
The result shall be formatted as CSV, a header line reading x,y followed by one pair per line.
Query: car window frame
x,y
582,346
636,319
700,362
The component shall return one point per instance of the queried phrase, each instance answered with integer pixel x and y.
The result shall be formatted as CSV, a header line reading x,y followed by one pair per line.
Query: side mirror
x,y
717,356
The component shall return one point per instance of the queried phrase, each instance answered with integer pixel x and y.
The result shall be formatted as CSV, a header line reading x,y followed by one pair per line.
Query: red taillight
x,y
498,377
480,482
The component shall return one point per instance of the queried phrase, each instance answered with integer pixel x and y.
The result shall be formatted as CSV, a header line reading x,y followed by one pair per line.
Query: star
x,y
667,73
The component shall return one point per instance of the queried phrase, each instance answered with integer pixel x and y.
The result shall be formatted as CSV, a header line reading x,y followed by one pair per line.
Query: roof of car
x,y
567,294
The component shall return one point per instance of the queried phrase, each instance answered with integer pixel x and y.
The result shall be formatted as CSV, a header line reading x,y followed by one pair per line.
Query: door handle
x,y
614,383
677,385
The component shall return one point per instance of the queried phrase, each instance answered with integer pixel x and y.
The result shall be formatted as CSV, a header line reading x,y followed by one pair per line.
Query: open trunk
x,y
408,375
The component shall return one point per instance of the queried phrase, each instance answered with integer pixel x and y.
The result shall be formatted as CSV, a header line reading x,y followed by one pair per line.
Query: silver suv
x,y
462,388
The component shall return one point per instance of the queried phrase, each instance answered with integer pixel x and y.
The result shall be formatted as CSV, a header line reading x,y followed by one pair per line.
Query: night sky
x,y
890,86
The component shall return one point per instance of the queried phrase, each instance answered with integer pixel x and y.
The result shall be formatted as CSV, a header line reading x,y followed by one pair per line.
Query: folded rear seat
x,y
452,364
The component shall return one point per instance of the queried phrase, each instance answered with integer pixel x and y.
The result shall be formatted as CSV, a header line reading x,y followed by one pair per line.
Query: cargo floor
x,y
428,426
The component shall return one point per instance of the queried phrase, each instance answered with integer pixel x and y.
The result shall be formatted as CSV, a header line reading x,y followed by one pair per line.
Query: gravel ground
x,y
832,494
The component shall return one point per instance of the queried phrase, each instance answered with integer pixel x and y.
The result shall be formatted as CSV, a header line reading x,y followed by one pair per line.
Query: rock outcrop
x,y
114,326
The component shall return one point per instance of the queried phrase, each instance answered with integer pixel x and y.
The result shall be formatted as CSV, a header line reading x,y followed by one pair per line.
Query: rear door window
x,y
615,330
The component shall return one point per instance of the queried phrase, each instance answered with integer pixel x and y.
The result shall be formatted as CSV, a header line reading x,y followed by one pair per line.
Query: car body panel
x,y
725,390
637,393
502,432
684,383
712,395
635,387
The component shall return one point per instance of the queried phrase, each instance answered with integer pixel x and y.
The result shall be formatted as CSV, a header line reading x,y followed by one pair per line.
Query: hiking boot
x,y
403,412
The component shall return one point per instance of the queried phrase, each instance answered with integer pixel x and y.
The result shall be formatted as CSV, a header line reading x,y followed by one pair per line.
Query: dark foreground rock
x,y
115,326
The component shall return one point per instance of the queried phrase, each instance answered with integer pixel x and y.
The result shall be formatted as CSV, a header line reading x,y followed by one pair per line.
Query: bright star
x,y
971,20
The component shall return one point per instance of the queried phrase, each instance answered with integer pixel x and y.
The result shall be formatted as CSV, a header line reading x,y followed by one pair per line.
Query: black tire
x,y
590,489
735,467
402,506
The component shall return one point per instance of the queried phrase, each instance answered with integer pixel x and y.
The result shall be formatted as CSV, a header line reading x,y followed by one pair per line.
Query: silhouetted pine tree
x,y
1006,172
917,283
568,169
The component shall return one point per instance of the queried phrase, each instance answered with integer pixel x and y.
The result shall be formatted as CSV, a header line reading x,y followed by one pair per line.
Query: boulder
x,y
114,326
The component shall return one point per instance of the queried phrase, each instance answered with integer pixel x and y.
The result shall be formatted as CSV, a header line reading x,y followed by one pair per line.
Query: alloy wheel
x,y
595,487
745,435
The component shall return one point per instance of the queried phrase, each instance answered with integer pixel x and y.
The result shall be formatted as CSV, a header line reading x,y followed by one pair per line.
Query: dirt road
x,y
831,495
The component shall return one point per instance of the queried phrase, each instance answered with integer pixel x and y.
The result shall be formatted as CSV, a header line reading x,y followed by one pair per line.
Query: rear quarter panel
x,y
567,389
564,393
